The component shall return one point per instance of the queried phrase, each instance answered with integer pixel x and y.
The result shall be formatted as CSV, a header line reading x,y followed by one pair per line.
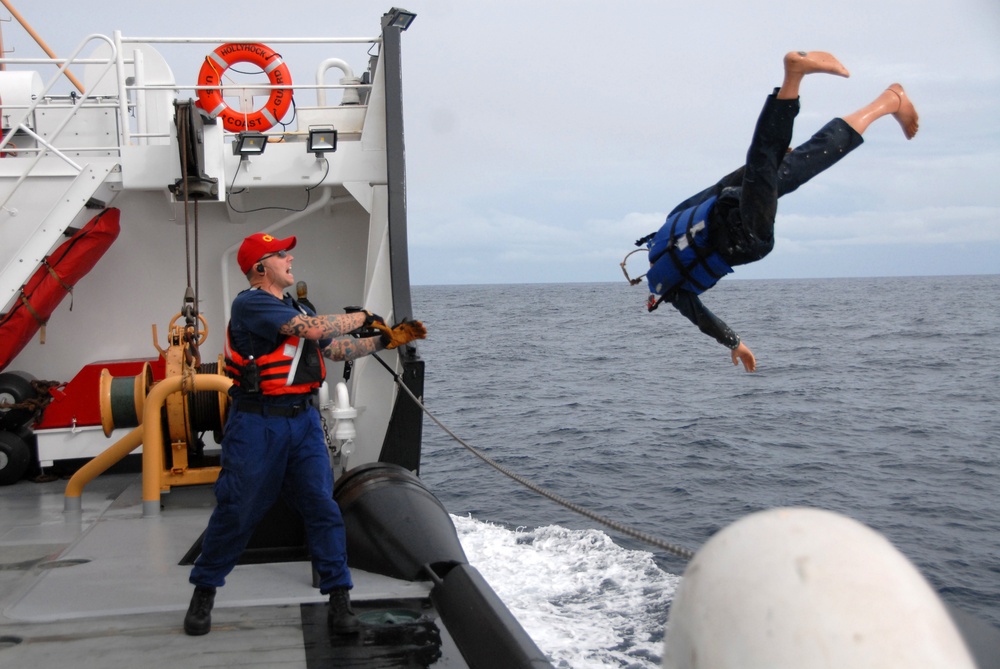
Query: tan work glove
x,y
403,333
371,319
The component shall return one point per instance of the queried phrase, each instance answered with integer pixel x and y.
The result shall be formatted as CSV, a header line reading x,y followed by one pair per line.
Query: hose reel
x,y
185,414
123,400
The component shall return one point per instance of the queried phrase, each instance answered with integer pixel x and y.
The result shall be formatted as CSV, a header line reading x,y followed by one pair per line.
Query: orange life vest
x,y
295,367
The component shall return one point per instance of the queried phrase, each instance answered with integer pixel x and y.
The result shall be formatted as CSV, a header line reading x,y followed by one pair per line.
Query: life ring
x,y
224,57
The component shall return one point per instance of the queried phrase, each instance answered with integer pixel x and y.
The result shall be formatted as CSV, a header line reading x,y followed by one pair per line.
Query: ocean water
x,y
875,398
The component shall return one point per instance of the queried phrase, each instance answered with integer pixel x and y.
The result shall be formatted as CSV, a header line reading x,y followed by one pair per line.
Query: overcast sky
x,y
544,137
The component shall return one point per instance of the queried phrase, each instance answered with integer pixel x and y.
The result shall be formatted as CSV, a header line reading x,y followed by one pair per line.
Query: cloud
x,y
938,226
542,139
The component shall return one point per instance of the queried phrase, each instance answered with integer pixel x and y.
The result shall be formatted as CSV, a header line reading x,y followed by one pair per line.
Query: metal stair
x,y
29,233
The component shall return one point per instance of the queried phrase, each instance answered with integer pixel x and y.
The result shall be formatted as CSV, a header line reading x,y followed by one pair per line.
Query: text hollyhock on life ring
x,y
215,65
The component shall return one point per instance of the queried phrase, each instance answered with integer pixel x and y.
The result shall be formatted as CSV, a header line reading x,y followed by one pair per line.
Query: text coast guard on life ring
x,y
225,56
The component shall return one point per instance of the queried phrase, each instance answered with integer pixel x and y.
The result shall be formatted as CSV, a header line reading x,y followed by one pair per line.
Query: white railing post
x,y
126,134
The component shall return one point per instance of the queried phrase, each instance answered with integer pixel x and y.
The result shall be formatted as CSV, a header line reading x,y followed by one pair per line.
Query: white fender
x,y
803,587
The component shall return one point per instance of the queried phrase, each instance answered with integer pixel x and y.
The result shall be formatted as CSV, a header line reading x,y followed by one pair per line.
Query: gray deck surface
x,y
103,588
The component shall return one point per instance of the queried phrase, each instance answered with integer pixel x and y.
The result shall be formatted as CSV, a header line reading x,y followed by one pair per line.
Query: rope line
x,y
674,549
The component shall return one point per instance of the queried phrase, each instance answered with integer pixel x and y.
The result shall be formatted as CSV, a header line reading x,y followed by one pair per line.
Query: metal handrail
x,y
122,40
48,144
62,71
268,40
118,47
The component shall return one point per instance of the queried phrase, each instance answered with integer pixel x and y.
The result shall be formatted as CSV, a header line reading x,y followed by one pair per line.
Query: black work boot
x,y
198,620
339,617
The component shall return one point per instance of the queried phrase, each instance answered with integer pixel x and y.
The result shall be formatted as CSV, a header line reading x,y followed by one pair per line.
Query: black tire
x,y
15,387
15,455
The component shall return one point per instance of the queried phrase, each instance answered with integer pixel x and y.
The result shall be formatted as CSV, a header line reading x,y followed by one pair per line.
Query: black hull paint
x,y
396,527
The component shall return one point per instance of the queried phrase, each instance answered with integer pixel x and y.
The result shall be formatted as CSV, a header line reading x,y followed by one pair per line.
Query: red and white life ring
x,y
224,57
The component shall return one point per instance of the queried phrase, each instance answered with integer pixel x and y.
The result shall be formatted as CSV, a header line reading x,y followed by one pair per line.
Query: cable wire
x,y
674,549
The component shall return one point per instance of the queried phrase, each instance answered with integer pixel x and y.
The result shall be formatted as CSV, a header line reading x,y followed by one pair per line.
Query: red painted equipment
x,y
56,276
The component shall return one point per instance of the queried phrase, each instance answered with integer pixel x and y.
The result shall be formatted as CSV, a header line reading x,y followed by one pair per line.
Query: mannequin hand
x,y
743,354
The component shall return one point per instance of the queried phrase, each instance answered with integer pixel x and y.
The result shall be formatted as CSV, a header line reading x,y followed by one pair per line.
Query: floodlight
x,y
399,18
249,144
322,140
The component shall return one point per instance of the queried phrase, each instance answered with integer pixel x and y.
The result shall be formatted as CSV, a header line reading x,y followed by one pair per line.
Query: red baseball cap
x,y
259,245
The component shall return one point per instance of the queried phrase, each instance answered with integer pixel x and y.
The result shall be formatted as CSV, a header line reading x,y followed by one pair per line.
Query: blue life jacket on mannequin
x,y
681,256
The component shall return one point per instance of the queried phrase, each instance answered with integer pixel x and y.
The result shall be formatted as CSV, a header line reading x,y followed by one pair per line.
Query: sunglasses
x,y
280,254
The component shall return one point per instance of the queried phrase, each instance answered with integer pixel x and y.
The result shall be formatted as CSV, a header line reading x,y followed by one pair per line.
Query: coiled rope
x,y
674,549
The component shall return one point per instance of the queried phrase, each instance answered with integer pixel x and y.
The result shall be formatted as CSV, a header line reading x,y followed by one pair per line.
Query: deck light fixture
x,y
399,18
322,140
249,144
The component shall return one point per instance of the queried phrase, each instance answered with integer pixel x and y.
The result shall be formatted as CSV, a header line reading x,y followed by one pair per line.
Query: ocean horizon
x,y
874,397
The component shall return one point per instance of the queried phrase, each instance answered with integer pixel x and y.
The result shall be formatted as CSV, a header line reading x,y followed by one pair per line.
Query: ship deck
x,y
105,586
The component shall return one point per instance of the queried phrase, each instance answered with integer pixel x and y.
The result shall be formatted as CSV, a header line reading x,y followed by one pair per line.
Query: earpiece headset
x,y
260,268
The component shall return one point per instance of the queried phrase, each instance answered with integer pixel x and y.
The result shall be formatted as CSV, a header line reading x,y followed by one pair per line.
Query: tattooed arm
x,y
349,348
322,327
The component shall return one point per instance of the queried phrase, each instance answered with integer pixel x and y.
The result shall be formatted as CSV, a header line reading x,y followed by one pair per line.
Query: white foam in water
x,y
587,602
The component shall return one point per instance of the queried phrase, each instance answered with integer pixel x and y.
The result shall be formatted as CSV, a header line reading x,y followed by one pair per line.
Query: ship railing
x,y
22,124
130,90
140,88
83,135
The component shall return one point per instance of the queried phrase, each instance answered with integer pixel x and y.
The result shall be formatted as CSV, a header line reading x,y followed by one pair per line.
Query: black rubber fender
x,y
394,525
15,456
